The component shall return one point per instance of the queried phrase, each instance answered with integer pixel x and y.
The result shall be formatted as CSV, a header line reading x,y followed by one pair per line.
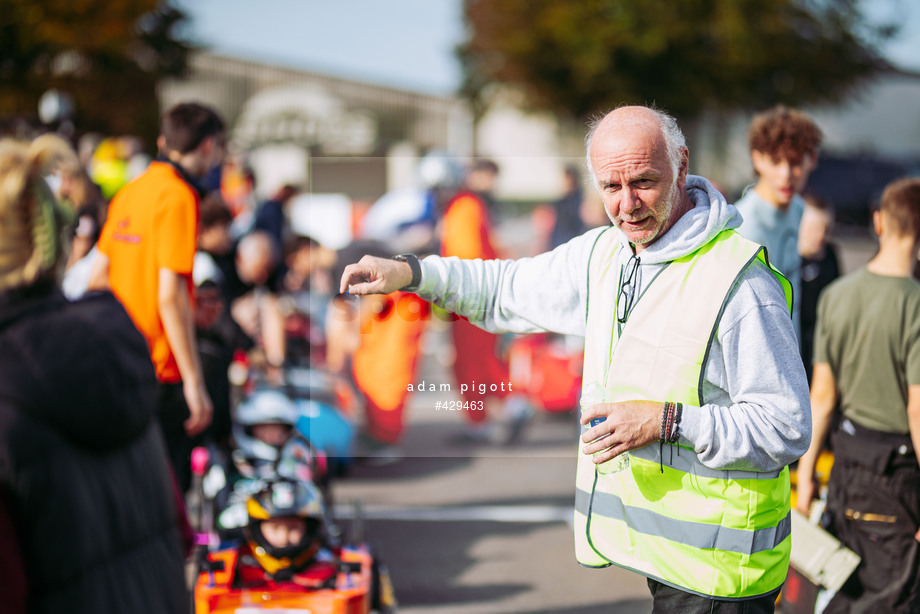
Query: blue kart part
x,y
327,430
319,420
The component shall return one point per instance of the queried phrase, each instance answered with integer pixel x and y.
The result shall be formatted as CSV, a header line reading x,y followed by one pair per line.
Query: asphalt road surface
x,y
486,528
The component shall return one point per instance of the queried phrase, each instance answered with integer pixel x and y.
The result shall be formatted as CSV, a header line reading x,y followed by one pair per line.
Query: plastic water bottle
x,y
593,394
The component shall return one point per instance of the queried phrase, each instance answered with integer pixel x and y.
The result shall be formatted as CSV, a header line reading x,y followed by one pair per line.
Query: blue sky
x,y
401,43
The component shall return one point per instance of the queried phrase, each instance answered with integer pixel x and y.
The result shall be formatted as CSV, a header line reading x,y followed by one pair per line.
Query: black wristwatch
x,y
412,261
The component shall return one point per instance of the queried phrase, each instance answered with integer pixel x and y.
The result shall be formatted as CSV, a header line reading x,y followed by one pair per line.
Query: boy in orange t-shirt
x,y
147,249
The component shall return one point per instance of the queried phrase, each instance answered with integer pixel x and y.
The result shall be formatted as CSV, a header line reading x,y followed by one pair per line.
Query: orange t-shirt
x,y
465,229
384,365
152,224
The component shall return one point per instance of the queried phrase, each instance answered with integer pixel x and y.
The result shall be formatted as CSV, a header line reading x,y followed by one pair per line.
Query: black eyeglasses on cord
x,y
627,289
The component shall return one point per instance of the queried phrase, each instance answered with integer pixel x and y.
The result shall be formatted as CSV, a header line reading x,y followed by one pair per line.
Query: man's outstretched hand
x,y
372,275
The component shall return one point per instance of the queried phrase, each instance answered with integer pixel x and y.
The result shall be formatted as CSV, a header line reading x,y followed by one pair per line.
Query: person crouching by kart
x,y
285,542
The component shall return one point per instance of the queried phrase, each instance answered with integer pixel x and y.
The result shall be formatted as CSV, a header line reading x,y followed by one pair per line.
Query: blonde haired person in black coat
x,y
88,519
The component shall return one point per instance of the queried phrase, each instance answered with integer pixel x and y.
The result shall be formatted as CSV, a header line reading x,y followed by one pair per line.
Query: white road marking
x,y
477,513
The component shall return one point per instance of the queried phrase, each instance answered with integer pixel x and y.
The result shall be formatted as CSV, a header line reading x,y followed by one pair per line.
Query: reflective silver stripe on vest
x,y
687,462
696,534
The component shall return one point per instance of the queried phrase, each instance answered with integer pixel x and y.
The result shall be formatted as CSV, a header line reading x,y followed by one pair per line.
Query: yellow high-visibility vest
x,y
715,533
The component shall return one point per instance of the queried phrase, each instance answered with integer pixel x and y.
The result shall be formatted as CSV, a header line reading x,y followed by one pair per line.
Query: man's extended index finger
x,y
346,277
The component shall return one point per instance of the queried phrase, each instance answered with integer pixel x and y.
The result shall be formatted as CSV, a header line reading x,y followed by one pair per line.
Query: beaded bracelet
x,y
667,415
675,434
670,421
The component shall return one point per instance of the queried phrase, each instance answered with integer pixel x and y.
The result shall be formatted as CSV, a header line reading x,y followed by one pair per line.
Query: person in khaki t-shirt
x,y
868,332
867,357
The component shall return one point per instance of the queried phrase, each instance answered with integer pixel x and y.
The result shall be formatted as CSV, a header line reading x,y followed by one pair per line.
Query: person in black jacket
x,y
819,268
88,514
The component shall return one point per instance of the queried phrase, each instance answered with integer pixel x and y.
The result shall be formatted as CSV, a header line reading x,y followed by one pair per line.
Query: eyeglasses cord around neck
x,y
627,289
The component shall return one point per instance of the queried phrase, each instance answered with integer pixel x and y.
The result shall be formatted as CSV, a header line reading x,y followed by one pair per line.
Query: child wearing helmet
x,y
285,538
268,447
262,424
264,429
287,563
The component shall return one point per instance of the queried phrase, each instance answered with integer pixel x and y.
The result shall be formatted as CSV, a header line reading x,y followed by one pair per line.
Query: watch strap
x,y
412,261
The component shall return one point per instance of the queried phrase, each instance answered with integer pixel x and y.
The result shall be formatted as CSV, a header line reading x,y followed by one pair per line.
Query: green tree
x,y
108,55
583,57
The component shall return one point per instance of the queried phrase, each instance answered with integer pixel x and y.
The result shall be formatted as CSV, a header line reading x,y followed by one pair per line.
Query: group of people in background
x,y
138,380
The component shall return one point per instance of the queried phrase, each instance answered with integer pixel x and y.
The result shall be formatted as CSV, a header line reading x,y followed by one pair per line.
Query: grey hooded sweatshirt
x,y
756,414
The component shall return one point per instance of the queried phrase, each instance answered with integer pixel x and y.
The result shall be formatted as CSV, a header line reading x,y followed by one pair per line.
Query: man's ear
x,y
683,168
877,222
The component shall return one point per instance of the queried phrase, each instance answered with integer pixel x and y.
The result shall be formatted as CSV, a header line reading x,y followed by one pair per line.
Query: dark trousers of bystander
x,y
172,412
668,600
873,500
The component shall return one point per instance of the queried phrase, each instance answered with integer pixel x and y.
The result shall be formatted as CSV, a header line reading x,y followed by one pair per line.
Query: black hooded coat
x,y
83,472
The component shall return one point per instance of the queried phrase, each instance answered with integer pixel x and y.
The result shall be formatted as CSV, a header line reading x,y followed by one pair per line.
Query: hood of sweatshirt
x,y
710,215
